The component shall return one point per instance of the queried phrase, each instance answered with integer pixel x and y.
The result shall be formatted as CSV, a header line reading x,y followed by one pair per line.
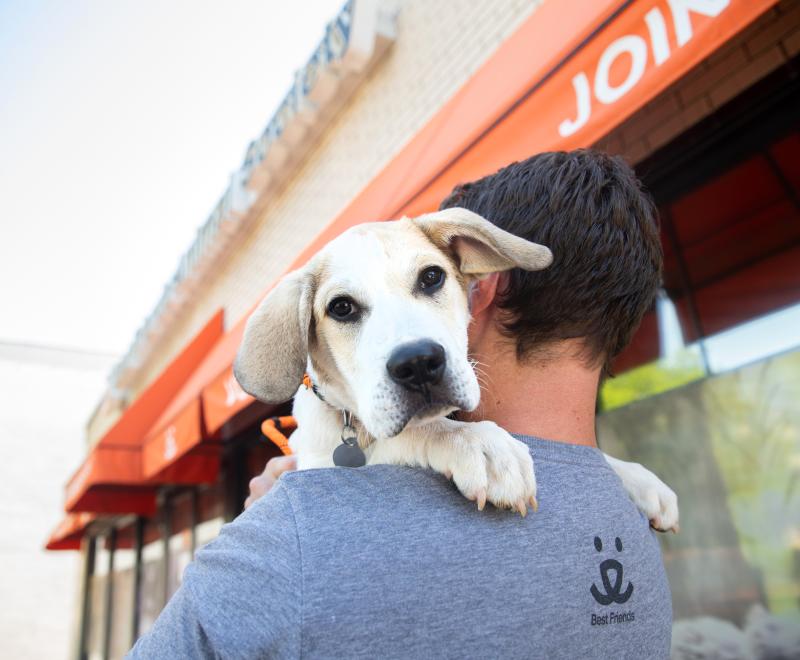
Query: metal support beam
x,y
195,518
166,510
137,579
89,553
108,610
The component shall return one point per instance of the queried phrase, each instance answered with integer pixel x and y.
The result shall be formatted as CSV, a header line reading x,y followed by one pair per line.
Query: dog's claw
x,y
534,504
523,510
480,497
448,474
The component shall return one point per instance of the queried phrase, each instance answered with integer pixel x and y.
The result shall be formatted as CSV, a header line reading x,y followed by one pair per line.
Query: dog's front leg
x,y
485,462
651,495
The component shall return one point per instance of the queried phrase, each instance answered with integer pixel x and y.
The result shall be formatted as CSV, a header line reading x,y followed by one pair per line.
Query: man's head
x,y
602,228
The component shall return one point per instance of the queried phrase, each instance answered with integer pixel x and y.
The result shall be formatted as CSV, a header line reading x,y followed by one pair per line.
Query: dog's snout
x,y
417,364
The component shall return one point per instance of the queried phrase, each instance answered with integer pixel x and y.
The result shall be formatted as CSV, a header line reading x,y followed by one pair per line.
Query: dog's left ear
x,y
480,246
272,356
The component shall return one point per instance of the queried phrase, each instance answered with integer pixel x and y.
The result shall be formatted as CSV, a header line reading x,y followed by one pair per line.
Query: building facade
x,y
401,101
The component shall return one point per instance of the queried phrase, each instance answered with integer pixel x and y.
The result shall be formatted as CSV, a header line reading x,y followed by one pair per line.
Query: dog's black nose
x,y
417,364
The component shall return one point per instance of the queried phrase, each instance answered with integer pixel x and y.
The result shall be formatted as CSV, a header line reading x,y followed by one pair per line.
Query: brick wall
x,y
438,47
757,51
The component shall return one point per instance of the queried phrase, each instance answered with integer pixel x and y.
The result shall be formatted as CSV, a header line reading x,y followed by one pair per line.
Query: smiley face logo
x,y
613,593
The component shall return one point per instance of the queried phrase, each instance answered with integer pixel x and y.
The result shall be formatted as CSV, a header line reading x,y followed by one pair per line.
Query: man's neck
x,y
552,398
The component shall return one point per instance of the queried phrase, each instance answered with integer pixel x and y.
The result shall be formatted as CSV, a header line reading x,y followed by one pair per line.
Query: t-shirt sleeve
x,y
241,596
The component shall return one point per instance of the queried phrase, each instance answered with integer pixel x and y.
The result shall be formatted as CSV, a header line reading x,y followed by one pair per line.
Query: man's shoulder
x,y
330,502
327,486
407,547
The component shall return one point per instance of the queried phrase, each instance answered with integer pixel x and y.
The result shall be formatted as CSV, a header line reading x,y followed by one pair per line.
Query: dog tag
x,y
349,456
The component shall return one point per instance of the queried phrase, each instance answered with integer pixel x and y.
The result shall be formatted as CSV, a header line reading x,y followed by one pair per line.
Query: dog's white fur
x,y
378,266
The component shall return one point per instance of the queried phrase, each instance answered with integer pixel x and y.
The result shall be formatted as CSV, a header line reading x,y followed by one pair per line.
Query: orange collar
x,y
309,384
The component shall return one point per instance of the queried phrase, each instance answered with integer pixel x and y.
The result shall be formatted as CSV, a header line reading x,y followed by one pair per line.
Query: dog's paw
x,y
488,465
651,495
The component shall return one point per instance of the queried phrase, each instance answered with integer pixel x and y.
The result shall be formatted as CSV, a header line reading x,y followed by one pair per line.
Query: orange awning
x,y
222,400
174,453
139,417
111,481
112,478
184,443
68,534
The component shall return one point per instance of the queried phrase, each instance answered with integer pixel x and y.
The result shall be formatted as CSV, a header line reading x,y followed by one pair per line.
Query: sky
x,y
120,123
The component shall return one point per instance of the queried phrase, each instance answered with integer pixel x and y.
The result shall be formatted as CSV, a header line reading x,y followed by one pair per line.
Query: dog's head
x,y
379,317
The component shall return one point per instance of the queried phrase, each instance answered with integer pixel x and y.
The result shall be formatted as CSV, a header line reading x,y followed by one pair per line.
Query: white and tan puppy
x,y
378,319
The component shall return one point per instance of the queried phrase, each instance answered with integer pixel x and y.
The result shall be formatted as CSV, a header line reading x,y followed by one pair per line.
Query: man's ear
x,y
482,292
272,358
481,247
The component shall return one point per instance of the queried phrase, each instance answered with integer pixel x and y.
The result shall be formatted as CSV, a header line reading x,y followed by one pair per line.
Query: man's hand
x,y
261,485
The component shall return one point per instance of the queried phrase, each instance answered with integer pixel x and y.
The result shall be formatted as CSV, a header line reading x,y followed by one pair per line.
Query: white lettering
x,y
637,48
170,444
583,96
680,14
658,35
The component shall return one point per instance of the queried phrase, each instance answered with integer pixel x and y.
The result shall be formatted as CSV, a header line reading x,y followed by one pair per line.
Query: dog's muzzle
x,y
417,365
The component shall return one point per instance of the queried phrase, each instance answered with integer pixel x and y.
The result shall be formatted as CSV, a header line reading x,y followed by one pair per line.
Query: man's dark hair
x,y
591,211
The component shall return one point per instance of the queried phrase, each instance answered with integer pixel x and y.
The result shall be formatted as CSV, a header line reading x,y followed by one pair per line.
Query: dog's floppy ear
x,y
481,247
272,357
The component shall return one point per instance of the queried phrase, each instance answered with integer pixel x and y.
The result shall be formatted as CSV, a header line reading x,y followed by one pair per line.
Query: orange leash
x,y
274,427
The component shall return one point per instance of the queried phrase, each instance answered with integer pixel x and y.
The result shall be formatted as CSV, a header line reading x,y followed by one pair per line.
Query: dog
x,y
378,320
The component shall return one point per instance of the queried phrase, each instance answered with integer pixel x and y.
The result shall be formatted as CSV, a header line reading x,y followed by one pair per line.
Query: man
x,y
389,561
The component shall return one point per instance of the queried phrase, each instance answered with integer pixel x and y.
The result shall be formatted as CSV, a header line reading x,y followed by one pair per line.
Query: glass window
x,y
151,595
122,597
731,237
97,602
211,513
180,541
729,446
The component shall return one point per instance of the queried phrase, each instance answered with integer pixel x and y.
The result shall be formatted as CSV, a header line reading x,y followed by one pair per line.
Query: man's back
x,y
388,561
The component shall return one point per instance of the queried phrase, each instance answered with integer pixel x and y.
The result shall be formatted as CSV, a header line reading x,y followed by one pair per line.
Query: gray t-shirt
x,y
392,562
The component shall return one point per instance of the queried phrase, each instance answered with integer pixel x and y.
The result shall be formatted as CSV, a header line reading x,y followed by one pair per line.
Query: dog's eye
x,y
431,279
342,309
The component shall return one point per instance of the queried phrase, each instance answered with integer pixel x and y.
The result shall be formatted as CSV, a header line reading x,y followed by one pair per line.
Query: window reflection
x,y
152,585
122,595
97,601
729,446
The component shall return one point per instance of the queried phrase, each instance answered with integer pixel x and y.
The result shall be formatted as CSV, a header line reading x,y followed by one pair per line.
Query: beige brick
x,y
791,44
653,115
724,51
736,59
743,78
773,31
789,10
638,151
611,143
767,18
686,118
